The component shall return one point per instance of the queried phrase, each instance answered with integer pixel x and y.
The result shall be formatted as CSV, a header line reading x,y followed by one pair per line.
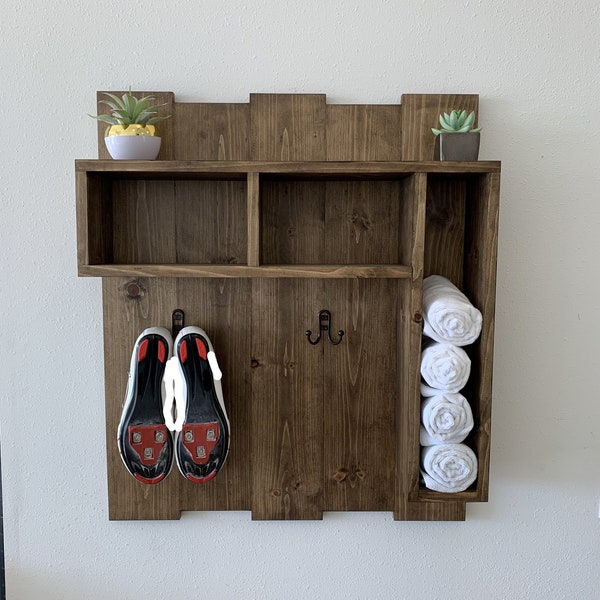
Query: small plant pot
x,y
458,146
132,142
133,147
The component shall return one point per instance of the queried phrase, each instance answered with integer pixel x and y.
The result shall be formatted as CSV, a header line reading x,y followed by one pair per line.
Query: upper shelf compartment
x,y
250,218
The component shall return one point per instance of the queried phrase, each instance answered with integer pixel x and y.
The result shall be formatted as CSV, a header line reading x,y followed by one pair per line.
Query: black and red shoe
x,y
202,444
145,443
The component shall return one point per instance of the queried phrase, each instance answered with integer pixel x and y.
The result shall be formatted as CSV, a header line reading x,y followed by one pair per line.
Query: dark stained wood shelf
x,y
287,271
237,169
257,216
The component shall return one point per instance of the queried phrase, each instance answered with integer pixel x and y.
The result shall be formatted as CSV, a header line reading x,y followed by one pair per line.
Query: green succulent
x,y
129,110
457,122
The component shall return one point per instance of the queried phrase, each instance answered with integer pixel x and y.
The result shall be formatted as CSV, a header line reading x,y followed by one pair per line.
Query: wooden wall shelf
x,y
258,216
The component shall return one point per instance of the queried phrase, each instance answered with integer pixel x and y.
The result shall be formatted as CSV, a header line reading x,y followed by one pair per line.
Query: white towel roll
x,y
445,418
448,467
444,367
448,315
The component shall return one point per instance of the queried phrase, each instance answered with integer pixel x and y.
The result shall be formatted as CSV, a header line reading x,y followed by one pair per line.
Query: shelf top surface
x,y
301,168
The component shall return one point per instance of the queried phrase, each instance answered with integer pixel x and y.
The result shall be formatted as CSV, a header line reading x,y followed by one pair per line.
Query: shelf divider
x,y
253,220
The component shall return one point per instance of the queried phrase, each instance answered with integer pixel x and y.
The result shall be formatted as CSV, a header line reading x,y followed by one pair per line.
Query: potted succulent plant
x,y
457,138
131,134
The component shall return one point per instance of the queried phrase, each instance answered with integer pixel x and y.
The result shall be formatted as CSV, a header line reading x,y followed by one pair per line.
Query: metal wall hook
x,y
177,322
324,326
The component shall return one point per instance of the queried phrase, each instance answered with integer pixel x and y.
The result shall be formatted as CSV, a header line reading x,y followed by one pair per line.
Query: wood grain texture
x,y
312,169
144,222
125,317
211,222
440,510
94,220
445,230
360,395
254,229
481,247
269,271
209,131
312,222
362,222
287,127
292,225
364,132
287,401
420,112
409,324
223,309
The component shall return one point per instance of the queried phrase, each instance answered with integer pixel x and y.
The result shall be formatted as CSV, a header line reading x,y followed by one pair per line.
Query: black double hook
x,y
324,326
177,322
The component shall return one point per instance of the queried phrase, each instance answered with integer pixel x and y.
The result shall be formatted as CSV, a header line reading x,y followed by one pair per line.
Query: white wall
x,y
535,66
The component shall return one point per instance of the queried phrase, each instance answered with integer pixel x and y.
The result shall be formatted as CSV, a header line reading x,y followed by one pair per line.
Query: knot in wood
x,y
134,290
254,363
418,317
352,476
361,221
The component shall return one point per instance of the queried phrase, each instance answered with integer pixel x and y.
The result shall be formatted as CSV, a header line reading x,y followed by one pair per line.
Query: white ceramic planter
x,y
133,147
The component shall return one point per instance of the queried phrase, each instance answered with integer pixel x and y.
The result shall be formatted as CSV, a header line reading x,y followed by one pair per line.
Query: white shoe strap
x,y
175,399
214,366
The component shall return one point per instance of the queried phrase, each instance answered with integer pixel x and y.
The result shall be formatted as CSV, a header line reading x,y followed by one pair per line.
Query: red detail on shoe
x,y
201,348
144,480
183,351
147,441
143,349
201,479
200,439
162,352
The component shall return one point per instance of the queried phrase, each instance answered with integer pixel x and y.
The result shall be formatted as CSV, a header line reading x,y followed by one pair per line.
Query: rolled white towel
x,y
444,367
448,467
445,418
448,314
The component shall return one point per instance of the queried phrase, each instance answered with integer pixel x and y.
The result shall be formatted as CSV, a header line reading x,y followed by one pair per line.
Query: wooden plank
x,y
420,112
209,131
445,510
287,401
270,271
287,127
211,222
94,220
409,357
445,229
164,128
253,210
130,306
311,169
364,132
480,287
221,308
360,395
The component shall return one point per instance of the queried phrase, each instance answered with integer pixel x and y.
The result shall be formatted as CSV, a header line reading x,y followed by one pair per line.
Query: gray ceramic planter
x,y
459,146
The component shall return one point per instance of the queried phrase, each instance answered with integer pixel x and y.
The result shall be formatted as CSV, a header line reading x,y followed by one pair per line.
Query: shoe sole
x,y
201,447
145,444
